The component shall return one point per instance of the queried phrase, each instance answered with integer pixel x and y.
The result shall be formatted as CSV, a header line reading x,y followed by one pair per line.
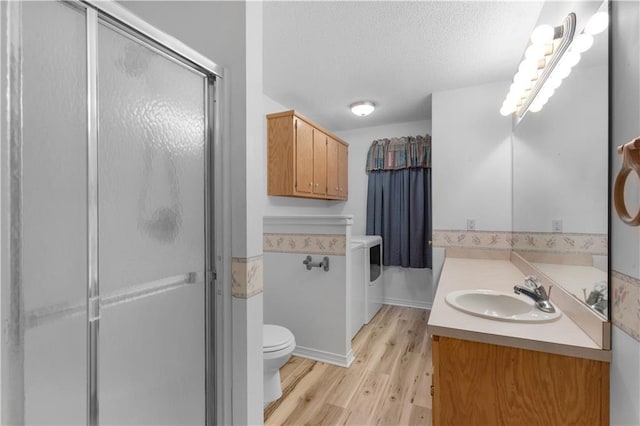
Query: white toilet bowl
x,y
277,345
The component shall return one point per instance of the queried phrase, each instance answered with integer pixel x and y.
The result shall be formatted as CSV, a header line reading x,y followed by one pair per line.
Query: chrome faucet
x,y
536,291
597,298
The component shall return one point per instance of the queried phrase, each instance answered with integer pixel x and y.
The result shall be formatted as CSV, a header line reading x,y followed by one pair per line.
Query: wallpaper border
x,y
625,303
246,276
326,244
595,244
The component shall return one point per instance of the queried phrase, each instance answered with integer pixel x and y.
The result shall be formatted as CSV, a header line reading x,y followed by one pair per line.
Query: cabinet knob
x,y
316,185
310,183
432,390
336,188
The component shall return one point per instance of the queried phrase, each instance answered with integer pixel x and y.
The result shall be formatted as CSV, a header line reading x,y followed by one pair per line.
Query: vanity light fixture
x,y
544,53
363,108
548,60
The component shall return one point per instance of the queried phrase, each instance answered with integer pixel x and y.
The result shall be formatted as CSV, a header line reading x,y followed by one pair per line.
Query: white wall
x,y
625,380
471,158
312,304
562,148
625,240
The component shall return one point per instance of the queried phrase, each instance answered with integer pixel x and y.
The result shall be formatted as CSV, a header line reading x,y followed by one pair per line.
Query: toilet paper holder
x,y
324,263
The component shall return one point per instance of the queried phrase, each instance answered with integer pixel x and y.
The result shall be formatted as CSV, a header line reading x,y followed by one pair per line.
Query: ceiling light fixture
x,y
363,108
548,60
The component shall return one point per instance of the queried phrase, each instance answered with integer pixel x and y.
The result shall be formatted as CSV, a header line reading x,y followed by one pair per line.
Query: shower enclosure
x,y
107,219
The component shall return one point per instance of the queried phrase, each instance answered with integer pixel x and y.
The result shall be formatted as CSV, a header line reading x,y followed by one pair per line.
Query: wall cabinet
x,y
337,169
482,384
305,160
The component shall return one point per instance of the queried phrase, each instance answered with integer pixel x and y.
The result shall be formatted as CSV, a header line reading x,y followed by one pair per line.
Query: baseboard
x,y
406,303
328,357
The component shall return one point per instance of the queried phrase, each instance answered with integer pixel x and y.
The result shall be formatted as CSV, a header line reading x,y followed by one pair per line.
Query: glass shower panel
x,y
54,213
151,235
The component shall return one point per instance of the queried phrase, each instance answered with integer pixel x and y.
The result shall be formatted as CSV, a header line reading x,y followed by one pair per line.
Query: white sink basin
x,y
499,305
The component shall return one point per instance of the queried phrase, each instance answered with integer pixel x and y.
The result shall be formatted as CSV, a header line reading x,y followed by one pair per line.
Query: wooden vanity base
x,y
484,384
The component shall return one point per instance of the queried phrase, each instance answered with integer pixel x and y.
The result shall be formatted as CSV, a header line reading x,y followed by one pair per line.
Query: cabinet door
x,y
332,167
319,163
435,381
343,171
304,157
484,384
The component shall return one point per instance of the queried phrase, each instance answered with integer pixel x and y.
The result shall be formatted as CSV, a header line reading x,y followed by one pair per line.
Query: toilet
x,y
277,345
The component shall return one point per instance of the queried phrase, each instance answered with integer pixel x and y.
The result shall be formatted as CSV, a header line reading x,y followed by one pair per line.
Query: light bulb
x,y
519,87
528,65
535,52
540,101
546,92
542,35
541,98
522,79
506,110
562,71
513,97
529,68
597,24
571,59
553,82
530,74
510,103
535,106
582,43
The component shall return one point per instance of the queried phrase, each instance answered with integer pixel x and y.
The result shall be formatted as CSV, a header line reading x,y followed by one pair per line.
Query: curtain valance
x,y
400,153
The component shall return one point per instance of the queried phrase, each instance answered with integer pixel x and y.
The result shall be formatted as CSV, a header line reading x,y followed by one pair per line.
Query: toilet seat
x,y
276,338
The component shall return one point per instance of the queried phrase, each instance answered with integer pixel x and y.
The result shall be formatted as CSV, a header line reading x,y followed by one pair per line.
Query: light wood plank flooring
x,y
387,384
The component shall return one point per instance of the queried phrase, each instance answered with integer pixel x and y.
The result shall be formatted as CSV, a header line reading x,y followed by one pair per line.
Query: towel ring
x,y
630,162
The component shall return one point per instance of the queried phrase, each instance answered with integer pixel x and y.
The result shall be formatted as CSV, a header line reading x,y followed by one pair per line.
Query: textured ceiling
x,y
319,57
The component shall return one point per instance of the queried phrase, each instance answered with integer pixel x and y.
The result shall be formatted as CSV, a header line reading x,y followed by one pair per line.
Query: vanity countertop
x,y
562,336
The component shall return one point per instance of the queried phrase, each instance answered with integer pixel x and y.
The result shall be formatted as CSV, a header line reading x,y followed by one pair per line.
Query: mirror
x,y
560,172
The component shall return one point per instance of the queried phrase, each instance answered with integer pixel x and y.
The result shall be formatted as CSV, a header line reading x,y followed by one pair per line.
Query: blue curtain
x,y
399,210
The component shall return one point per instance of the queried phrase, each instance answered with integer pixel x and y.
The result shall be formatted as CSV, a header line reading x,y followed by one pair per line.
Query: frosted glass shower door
x,y
45,374
151,208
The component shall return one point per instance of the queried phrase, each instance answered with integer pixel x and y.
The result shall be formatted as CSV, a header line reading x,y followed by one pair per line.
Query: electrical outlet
x,y
556,225
471,224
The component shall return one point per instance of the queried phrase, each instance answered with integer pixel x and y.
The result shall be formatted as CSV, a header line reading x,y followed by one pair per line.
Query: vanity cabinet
x,y
484,384
305,160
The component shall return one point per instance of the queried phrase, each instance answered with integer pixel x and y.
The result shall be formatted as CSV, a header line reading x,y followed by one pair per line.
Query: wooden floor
x,y
387,384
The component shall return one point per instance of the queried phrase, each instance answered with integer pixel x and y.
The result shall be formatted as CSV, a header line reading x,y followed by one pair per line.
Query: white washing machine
x,y
357,287
372,273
